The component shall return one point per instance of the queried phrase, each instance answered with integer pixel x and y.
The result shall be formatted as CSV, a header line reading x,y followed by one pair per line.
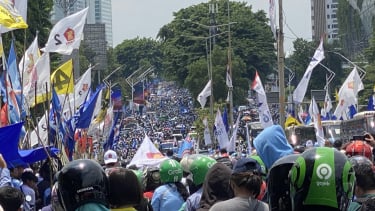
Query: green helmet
x,y
262,166
321,176
139,175
199,168
187,160
170,171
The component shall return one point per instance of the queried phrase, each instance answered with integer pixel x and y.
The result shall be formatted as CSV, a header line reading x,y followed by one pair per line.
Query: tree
x,y
184,39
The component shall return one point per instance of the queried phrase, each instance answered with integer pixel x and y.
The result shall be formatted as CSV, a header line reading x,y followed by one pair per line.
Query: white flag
x,y
228,79
263,110
300,91
220,132
232,142
81,88
272,12
202,97
206,134
315,114
27,64
42,130
40,81
348,93
66,35
327,105
147,155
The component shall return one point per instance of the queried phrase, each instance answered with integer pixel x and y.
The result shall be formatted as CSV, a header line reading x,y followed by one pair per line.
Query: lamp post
x,y
362,71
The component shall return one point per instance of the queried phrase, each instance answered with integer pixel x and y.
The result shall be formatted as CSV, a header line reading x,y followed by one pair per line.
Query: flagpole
x,y
230,74
280,61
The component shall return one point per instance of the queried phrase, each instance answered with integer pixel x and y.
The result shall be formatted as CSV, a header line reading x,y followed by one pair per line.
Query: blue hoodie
x,y
271,144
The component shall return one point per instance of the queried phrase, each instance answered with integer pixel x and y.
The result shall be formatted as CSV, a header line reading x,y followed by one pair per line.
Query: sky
x,y
144,18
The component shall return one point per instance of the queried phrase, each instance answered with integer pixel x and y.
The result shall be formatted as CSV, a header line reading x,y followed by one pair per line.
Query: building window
x,y
327,6
333,16
327,16
329,36
334,26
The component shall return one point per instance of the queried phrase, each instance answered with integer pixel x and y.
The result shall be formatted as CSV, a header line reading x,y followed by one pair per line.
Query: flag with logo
x,y
228,80
40,82
206,133
147,155
10,17
81,88
348,93
232,142
300,91
62,78
263,110
40,131
314,112
67,34
327,106
202,97
220,131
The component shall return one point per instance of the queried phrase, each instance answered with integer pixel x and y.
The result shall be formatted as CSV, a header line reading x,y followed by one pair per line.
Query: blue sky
x,y
144,18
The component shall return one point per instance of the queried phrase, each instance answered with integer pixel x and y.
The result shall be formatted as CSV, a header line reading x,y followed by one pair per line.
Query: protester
x,y
83,186
110,160
54,202
198,168
5,179
321,179
28,188
365,184
271,144
172,193
124,189
151,181
145,204
44,185
224,158
15,173
359,147
11,199
216,186
246,182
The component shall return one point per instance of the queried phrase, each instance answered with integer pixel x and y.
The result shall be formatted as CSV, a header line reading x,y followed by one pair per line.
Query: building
x,y
324,19
95,39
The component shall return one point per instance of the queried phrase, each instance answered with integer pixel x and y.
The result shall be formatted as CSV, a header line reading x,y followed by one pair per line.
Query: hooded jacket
x,y
216,186
271,144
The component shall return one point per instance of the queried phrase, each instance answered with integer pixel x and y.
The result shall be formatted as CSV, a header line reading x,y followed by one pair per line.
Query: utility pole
x,y
230,90
280,62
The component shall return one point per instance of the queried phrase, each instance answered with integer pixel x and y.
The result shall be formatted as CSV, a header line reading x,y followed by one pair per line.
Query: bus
x,y
299,134
362,122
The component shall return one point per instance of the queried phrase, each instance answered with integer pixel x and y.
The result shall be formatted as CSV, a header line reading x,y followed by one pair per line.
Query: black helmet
x,y
278,183
321,177
80,182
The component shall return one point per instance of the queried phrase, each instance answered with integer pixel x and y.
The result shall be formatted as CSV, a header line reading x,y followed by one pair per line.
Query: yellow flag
x,y
10,17
62,78
291,121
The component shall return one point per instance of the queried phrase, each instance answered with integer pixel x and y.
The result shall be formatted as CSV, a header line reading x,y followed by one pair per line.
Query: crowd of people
x,y
273,176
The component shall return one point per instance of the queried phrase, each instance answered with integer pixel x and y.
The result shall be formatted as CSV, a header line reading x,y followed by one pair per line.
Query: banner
x,y
202,97
10,17
265,116
314,112
62,78
220,131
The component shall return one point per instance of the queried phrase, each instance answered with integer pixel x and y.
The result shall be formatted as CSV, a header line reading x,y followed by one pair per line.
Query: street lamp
x,y
362,72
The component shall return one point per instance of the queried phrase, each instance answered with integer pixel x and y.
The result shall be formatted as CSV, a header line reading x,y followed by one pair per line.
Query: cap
x,y
246,165
110,157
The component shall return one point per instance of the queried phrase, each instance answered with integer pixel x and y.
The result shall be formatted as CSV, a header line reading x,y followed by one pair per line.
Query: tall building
x,y
324,19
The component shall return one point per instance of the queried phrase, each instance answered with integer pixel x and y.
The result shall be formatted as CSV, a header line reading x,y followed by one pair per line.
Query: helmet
x,y
139,175
80,182
170,171
187,160
364,172
321,176
199,168
151,178
278,184
359,148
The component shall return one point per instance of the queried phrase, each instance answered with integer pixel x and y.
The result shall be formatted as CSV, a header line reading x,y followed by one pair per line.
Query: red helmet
x,y
359,148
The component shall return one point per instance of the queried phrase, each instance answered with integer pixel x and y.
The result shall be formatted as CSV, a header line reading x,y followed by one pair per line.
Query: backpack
x,y
367,203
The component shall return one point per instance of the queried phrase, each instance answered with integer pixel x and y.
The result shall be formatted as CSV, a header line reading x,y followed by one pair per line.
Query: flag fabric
x,y
314,112
300,91
9,138
62,78
84,116
202,97
10,16
327,106
220,132
81,88
111,138
40,80
66,35
147,155
348,93
225,119
185,148
12,70
352,111
41,130
272,12
206,133
21,7
371,105
228,80
56,120
232,142
28,62
264,112
10,98
290,121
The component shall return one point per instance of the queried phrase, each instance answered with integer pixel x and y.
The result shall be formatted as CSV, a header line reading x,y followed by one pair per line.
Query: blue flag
x,y
225,119
56,122
9,138
370,105
352,111
185,148
84,115
113,137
